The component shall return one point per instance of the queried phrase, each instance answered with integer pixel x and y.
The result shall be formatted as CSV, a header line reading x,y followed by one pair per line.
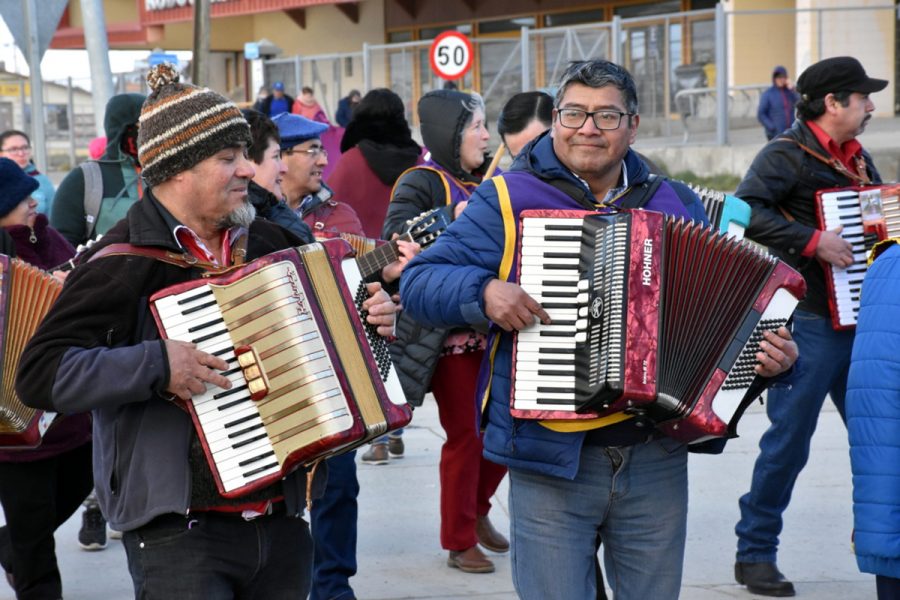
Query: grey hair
x,y
599,73
475,102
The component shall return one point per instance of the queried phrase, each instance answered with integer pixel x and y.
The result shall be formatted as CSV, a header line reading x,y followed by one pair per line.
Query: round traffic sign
x,y
451,55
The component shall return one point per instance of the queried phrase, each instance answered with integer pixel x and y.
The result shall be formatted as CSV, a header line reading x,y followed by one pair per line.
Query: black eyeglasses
x,y
575,118
313,152
16,149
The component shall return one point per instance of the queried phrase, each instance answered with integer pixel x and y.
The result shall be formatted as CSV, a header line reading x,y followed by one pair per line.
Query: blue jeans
x,y
333,521
784,447
215,556
635,497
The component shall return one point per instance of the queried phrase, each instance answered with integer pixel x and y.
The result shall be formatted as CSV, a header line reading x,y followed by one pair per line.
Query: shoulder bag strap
x,y
93,195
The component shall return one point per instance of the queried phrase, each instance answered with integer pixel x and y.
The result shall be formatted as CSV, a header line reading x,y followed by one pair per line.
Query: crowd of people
x,y
167,205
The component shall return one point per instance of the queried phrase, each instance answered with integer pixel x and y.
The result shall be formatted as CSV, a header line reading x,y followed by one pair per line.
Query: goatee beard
x,y
242,216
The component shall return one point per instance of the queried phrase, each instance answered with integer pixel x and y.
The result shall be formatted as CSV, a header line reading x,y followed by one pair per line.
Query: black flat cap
x,y
838,74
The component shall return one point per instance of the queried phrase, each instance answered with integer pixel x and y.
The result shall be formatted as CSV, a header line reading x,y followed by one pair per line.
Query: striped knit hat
x,y
182,124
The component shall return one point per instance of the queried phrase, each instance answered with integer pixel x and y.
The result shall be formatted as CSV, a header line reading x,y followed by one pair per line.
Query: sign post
x,y
451,55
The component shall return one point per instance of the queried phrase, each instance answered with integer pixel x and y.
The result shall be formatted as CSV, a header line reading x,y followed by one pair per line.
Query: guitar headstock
x,y
426,227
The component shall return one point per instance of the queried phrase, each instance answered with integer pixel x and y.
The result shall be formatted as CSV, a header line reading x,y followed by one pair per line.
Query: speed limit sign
x,y
451,55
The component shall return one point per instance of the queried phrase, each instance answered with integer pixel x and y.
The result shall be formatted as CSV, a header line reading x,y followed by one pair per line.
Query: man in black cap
x,y
819,151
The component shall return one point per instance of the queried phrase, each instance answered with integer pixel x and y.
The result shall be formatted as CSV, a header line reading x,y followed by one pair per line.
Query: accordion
x,y
657,317
26,295
868,214
727,214
310,379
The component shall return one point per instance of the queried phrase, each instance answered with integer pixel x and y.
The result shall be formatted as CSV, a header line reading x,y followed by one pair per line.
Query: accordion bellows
x,y
26,295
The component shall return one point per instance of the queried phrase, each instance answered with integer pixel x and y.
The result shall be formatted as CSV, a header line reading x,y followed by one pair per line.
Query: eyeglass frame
x,y
16,150
591,113
312,152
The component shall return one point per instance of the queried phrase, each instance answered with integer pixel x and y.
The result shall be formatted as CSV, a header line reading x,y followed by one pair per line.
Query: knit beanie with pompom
x,y
182,124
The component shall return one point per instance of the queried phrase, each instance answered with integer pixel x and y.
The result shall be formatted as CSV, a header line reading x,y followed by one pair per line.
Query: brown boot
x,y
472,560
489,537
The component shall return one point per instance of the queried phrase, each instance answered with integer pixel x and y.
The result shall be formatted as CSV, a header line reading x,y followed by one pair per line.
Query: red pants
x,y
468,480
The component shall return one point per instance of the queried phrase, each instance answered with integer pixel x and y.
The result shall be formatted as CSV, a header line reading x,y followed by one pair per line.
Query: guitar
x,y
423,229
79,253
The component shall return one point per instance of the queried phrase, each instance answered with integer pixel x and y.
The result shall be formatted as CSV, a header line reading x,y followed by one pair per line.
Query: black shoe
x,y
763,578
93,530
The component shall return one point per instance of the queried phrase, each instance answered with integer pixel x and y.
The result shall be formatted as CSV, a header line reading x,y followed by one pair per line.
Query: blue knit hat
x,y
15,186
295,129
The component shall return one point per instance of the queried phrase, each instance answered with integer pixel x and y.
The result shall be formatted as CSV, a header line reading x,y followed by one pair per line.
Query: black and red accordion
x,y
657,317
868,215
26,295
309,379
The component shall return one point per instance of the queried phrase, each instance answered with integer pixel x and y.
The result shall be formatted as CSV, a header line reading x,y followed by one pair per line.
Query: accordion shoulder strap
x,y
184,260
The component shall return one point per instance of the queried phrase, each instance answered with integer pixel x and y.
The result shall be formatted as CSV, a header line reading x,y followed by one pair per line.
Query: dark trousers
x,y
216,556
888,587
333,521
37,498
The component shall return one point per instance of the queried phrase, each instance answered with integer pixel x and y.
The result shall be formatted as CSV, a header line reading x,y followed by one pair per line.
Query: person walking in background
x,y
776,104
819,151
95,195
345,108
447,360
308,107
277,102
377,147
261,96
40,488
16,146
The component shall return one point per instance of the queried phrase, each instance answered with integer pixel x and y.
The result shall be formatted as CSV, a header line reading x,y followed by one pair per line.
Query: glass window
x,y
396,37
574,18
646,10
703,42
703,4
506,25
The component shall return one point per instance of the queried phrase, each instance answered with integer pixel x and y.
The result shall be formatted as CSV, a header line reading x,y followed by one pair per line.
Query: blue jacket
x,y
873,419
443,287
776,110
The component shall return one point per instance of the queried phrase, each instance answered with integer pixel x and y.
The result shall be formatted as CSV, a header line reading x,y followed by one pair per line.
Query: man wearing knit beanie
x,y
99,350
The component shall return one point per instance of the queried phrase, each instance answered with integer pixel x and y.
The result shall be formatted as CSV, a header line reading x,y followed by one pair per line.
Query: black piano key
x,y
239,421
548,294
559,304
563,227
249,474
556,283
562,238
572,255
552,373
222,351
233,390
199,307
249,441
572,267
555,361
231,371
208,336
197,328
556,351
204,293
555,390
253,459
558,333
244,431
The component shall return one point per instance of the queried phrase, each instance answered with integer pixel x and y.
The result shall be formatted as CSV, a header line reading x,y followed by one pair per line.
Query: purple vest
x,y
459,190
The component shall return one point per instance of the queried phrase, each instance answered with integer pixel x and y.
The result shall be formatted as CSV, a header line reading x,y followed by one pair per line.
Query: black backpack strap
x,y
639,195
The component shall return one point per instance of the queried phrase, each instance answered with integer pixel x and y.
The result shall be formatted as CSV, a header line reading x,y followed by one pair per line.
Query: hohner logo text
x,y
648,261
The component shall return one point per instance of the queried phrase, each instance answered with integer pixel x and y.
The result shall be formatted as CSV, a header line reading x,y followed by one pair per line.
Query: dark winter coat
x,y
785,178
99,350
272,209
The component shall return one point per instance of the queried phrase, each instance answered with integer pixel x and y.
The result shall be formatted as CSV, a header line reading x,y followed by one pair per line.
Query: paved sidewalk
x,y
400,556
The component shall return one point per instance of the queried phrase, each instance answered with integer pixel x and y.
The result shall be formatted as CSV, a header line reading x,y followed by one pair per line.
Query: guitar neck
x,y
374,261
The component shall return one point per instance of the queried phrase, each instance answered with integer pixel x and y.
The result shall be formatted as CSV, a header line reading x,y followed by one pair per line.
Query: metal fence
x,y
679,62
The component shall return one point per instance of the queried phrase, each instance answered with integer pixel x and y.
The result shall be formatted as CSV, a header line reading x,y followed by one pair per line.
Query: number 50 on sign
x,y
451,55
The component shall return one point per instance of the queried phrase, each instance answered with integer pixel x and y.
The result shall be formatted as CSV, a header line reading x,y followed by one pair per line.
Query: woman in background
x,y
16,146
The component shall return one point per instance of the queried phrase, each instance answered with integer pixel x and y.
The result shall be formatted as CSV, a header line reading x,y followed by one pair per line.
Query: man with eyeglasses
x,y
609,478
304,191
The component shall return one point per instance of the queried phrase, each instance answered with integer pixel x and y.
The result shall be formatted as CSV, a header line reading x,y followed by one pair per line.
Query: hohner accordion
x,y
309,379
657,317
26,295
868,214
